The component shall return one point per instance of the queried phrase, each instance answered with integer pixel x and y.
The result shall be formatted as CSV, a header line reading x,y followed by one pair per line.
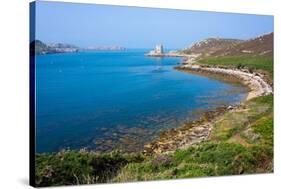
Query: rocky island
x,y
104,48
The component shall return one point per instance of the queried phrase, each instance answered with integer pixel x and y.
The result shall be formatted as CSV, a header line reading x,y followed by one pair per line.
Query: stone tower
x,y
159,49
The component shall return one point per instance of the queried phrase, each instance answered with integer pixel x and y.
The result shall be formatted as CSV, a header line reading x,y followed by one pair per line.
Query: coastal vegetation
x,y
252,63
240,143
80,167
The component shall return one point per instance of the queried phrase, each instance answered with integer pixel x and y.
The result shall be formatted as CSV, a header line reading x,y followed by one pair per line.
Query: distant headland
x,y
38,47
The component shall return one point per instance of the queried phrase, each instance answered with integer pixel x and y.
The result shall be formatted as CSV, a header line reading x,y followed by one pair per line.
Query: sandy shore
x,y
199,130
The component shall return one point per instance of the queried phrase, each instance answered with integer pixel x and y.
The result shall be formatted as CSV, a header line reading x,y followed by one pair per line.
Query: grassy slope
x,y
241,142
260,63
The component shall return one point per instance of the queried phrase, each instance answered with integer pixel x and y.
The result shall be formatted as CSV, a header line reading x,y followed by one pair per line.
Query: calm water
x,y
108,100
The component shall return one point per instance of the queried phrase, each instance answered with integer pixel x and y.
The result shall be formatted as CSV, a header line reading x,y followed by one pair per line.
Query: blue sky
x,y
88,24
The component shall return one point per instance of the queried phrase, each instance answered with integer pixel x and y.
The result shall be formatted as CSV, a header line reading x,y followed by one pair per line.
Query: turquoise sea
x,y
111,100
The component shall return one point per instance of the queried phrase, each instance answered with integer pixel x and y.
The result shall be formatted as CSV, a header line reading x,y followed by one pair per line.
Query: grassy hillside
x,y
259,46
211,45
259,64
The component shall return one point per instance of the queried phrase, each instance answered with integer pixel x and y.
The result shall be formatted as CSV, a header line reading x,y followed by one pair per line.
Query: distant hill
x,y
37,47
61,45
211,45
105,48
261,45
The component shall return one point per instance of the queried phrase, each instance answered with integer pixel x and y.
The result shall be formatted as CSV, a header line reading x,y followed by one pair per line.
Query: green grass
x,y
264,127
236,123
206,159
250,62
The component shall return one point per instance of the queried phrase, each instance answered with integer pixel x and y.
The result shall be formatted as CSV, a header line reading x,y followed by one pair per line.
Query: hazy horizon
x,y
87,25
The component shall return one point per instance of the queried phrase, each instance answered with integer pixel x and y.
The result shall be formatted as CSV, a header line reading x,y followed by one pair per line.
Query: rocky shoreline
x,y
188,134
254,81
197,131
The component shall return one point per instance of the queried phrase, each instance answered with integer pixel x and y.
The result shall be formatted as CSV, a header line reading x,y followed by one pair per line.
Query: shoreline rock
x,y
190,133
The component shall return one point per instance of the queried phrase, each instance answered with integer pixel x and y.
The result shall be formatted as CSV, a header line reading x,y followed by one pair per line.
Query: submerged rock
x,y
190,133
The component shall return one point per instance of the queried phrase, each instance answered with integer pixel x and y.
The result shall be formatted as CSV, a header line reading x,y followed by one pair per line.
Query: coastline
x,y
197,131
254,81
186,57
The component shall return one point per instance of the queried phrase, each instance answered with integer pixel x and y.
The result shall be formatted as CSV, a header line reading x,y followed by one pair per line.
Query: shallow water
x,y
118,100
